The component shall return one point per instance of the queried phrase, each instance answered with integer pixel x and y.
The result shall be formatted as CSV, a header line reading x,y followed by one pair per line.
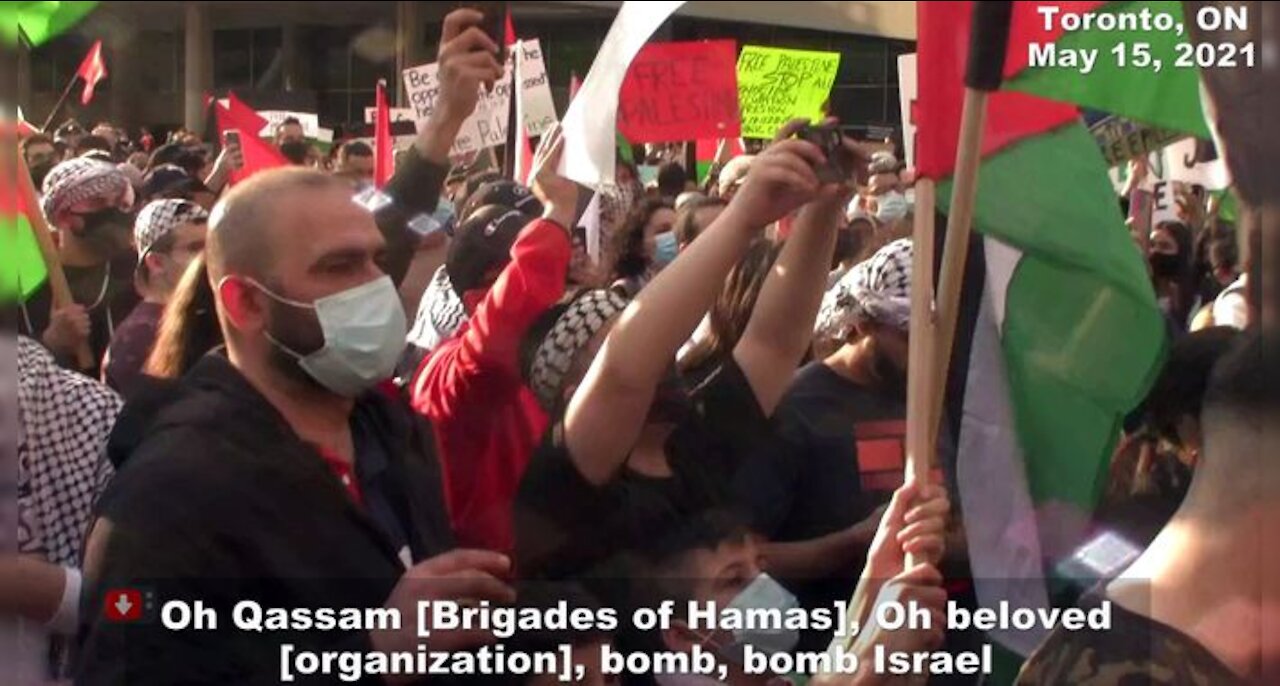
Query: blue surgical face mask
x,y
364,333
665,248
763,593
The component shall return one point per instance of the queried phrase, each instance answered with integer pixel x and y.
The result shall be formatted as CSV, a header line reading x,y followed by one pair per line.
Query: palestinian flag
x,y
1059,333
40,21
1162,95
258,153
22,268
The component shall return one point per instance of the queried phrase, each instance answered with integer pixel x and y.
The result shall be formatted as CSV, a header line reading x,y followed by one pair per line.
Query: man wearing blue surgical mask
x,y
280,470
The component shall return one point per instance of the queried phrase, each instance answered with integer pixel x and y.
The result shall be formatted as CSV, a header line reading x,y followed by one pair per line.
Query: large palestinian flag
x,y
1060,335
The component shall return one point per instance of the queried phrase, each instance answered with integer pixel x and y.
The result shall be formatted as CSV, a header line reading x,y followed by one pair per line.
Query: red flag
x,y
246,117
258,154
943,30
383,160
92,70
509,30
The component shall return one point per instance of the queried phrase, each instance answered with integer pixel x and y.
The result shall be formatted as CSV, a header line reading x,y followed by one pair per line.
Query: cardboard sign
x,y
680,91
487,125
309,120
776,85
1122,140
907,89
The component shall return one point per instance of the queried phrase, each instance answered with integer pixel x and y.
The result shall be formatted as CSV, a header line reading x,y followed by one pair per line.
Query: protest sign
x,y
487,125
590,125
907,89
539,108
777,84
309,120
1122,140
680,91
1186,163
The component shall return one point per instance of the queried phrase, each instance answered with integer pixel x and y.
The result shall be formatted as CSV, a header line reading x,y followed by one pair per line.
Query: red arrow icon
x,y
122,605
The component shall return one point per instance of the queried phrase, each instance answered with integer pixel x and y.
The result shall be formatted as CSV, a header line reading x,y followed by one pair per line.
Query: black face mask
x,y
671,403
38,172
1164,265
106,231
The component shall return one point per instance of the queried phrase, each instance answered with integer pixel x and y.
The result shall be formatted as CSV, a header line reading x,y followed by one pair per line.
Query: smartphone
x,y
493,24
231,138
840,162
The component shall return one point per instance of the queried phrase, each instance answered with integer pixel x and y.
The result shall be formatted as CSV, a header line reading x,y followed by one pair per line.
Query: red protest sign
x,y
681,91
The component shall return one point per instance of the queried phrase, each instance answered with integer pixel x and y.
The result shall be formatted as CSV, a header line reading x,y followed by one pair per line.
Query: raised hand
x,y
559,195
781,180
467,59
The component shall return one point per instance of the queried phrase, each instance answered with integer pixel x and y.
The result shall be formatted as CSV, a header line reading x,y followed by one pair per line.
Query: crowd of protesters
x,y
303,400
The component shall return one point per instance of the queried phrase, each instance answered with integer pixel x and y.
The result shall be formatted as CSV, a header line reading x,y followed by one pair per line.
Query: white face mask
x,y
761,594
891,207
364,332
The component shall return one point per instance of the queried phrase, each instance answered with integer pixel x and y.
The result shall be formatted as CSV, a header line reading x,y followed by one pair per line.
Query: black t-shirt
x,y
806,484
105,290
567,527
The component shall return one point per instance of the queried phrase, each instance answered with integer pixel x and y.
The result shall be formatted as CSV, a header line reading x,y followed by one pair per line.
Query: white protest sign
x,y
1180,160
907,90
309,120
487,125
590,125
397,114
535,87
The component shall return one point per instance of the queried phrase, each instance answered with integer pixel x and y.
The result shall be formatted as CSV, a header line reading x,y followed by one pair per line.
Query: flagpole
x,y
66,92
58,285
988,42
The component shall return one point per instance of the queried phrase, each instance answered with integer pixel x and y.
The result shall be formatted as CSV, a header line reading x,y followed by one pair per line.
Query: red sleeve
x,y
490,340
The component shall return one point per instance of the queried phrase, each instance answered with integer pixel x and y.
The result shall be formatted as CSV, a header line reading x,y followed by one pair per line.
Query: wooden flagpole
x,y
53,264
988,43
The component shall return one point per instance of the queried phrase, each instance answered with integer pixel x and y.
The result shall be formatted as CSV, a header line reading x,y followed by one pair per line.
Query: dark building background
x,y
326,57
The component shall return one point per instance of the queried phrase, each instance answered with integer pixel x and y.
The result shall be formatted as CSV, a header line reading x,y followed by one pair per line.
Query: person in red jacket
x,y
487,421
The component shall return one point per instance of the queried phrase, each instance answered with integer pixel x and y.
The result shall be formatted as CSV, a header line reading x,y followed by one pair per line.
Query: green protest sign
x,y
777,84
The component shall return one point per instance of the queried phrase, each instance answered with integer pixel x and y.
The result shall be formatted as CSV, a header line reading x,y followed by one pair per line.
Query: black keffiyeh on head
x,y
556,339
80,179
878,290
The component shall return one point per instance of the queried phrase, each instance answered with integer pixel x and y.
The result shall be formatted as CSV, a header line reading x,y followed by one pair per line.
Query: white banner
x,y
487,125
590,125
309,120
397,114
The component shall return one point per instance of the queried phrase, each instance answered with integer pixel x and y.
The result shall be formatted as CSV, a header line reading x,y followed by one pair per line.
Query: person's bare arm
x,y
30,588
780,329
607,411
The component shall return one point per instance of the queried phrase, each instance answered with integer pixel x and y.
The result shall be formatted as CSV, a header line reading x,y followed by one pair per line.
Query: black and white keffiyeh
x,y
79,179
64,419
581,319
160,217
440,313
878,289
